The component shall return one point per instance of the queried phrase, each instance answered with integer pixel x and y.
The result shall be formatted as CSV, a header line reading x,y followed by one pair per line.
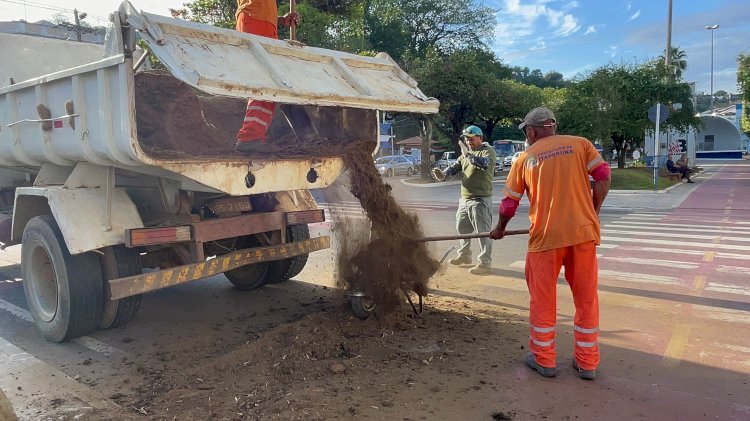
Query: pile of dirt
x,y
330,365
176,121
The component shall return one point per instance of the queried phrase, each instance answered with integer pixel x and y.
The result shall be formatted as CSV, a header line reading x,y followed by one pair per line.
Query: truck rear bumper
x,y
133,285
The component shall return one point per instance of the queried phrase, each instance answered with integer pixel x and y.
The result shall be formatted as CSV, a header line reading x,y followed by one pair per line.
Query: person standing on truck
x,y
477,166
259,17
554,173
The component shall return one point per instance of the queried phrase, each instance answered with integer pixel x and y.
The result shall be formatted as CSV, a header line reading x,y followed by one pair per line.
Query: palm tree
x,y
677,61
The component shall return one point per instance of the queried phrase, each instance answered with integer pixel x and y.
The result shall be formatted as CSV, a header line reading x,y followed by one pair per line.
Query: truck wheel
x,y
284,270
64,292
389,173
250,276
119,262
410,171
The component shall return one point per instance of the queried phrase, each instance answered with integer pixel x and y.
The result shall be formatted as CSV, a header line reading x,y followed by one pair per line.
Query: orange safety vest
x,y
264,10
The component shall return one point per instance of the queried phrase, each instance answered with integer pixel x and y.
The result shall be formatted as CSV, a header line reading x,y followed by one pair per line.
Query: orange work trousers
x,y
581,272
259,114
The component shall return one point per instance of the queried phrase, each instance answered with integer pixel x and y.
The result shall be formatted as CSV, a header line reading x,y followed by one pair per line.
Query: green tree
x,y
211,12
743,83
611,104
454,79
677,61
416,27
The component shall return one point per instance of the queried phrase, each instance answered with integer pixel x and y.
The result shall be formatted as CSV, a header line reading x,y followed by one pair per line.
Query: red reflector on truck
x,y
305,217
149,236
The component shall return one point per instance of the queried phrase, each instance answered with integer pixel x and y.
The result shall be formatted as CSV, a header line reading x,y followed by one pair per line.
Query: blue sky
x,y
569,36
576,36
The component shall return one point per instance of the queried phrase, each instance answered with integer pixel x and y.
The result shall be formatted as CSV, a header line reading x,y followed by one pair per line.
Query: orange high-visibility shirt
x,y
554,173
264,10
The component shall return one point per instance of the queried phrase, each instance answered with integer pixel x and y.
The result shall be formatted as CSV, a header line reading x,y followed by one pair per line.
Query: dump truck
x,y
107,169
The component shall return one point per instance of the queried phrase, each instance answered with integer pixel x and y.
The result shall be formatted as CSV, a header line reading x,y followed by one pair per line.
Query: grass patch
x,y
637,179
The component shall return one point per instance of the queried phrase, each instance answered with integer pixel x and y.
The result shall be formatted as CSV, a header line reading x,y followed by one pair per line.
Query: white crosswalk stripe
x,y
686,254
672,235
655,227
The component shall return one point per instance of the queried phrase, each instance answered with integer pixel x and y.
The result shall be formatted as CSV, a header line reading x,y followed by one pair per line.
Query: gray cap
x,y
538,117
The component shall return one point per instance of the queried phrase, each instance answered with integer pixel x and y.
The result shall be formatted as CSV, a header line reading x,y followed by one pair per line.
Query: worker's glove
x,y
441,175
478,161
290,19
465,150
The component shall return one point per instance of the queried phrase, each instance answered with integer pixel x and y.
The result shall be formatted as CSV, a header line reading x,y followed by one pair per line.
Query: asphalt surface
x,y
674,285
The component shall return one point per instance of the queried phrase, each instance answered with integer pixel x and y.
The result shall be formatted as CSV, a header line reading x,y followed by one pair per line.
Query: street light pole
x,y
712,28
668,50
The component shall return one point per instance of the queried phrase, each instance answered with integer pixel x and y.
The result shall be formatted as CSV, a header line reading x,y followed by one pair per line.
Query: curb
x,y
444,183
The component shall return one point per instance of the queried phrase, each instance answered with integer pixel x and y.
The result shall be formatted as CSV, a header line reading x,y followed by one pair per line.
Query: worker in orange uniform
x,y
259,17
554,173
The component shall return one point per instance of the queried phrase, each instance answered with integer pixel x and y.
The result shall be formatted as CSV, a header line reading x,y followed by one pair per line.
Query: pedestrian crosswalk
x,y
693,252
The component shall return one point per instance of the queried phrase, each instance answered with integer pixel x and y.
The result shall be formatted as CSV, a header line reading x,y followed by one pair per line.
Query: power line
x,y
50,7
38,5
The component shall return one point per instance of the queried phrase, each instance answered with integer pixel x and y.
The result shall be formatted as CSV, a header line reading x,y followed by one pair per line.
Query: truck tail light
x,y
150,236
305,217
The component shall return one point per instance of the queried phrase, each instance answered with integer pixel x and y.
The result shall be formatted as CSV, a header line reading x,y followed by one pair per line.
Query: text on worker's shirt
x,y
553,153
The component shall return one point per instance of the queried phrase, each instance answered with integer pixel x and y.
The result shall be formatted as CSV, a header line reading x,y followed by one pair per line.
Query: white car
x,y
510,160
394,165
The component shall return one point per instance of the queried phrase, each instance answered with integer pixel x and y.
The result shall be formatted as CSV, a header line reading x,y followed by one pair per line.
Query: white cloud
x,y
519,20
574,5
635,15
590,30
629,6
611,51
541,45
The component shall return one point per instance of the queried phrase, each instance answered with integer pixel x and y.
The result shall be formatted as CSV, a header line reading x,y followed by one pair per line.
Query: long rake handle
x,y
468,236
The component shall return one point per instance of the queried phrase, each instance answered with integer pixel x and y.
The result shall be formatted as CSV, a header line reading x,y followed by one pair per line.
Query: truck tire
x,y
284,270
251,276
64,292
119,262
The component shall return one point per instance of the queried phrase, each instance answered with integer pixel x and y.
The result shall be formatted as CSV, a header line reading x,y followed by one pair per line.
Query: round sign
x,y
636,155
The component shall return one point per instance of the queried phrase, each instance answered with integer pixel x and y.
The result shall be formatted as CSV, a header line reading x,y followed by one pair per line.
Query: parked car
x,y
417,161
394,165
445,161
499,166
509,160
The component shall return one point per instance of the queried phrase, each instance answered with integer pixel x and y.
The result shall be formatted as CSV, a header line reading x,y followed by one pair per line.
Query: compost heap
x,y
392,261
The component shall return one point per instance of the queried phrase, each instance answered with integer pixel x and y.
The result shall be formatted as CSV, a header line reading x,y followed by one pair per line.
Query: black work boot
x,y
584,374
530,362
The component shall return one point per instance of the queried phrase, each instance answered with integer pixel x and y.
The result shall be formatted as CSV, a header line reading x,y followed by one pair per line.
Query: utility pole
x,y
712,28
78,18
668,54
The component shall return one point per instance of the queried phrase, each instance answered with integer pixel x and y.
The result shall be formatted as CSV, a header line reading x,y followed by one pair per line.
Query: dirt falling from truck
x,y
176,121
392,262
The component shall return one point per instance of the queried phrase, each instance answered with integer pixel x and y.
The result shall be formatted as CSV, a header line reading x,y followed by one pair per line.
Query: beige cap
x,y
538,117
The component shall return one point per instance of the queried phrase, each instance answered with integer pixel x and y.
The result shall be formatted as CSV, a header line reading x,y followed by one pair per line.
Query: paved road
x,y
675,298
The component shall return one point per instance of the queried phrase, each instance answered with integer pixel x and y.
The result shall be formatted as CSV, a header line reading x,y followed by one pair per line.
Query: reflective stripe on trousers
x,y
542,271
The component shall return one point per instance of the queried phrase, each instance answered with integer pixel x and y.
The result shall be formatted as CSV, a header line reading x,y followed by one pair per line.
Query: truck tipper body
x,y
102,173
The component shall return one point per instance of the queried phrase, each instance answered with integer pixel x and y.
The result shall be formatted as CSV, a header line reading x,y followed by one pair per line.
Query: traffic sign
x,y
663,113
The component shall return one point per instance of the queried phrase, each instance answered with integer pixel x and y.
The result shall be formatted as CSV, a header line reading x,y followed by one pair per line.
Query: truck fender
x,y
81,213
